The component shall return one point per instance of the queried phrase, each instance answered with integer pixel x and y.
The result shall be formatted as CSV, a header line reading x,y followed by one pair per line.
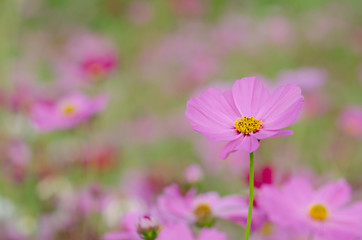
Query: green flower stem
x,y
251,195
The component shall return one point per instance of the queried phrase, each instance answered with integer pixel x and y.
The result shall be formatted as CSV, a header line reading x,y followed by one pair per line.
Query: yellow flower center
x,y
318,212
203,212
68,109
247,125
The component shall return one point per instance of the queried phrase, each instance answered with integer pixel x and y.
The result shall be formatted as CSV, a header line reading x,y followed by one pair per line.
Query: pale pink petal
x,y
335,194
230,147
119,236
342,230
300,191
276,205
211,234
353,211
212,115
282,108
249,95
249,144
264,134
175,232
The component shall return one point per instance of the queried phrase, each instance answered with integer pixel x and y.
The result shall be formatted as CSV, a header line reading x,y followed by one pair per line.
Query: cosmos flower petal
x,y
283,107
249,144
264,134
352,211
278,208
230,147
212,115
336,193
178,231
300,190
249,95
117,236
348,230
211,234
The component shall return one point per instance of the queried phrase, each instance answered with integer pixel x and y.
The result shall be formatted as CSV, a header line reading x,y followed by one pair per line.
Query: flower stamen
x,y
247,125
318,212
68,109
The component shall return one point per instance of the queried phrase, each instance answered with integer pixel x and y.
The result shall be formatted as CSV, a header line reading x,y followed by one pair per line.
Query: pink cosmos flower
x,y
350,121
66,112
246,114
323,212
202,209
99,156
88,57
263,175
181,231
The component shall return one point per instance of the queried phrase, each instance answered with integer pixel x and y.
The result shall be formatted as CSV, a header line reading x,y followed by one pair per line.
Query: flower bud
x,y
148,227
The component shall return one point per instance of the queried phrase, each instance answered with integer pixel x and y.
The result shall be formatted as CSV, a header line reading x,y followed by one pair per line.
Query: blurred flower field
x,y
111,119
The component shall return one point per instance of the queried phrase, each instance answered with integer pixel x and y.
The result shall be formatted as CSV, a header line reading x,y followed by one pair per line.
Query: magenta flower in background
x,y
88,57
66,112
246,114
204,208
350,121
264,175
181,231
325,212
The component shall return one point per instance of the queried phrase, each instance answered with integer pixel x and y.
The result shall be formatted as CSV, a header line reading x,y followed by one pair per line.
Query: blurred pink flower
x,y
193,174
323,212
18,155
246,114
350,121
88,57
263,175
181,231
92,199
66,112
204,208
99,157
